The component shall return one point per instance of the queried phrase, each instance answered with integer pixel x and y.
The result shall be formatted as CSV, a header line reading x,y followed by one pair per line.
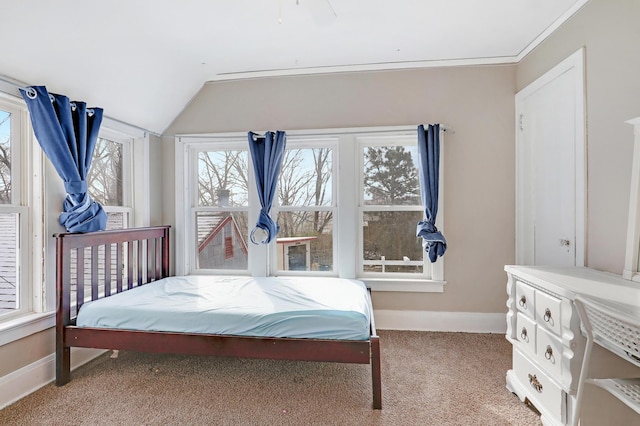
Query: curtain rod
x,y
379,130
12,86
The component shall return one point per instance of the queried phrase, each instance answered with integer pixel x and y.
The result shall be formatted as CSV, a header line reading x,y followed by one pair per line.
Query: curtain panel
x,y
433,241
266,154
67,133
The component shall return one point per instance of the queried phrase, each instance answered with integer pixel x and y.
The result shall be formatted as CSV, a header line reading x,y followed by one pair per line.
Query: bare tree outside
x,y
5,157
105,184
223,182
305,180
221,171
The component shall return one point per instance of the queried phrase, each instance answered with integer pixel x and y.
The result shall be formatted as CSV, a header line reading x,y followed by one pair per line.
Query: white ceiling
x,y
143,60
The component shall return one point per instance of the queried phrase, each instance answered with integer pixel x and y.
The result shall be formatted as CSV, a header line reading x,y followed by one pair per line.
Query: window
x,y
220,215
390,207
348,204
305,207
109,181
19,186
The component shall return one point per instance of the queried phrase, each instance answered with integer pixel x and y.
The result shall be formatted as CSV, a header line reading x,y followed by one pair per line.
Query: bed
x,y
97,273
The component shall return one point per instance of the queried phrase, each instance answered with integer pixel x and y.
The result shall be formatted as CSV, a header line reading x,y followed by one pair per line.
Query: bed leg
x,y
63,365
376,379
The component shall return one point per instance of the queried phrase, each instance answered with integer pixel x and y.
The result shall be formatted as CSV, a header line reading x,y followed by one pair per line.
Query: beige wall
x,y
476,102
609,30
28,350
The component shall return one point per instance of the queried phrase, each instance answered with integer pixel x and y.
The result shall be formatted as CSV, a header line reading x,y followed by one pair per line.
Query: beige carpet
x,y
427,379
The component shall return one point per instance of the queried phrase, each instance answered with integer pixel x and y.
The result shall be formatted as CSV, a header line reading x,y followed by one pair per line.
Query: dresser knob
x,y
523,334
547,315
523,301
548,353
533,381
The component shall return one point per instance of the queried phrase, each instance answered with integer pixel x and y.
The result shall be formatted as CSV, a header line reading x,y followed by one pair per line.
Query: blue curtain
x,y
68,132
433,241
266,153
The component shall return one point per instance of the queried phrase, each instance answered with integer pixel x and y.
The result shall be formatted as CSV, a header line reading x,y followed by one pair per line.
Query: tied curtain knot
x,y
75,186
425,228
433,241
266,224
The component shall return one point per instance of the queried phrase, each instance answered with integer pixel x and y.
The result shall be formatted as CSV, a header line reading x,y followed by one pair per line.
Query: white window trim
x,y
372,141
36,316
132,192
310,142
347,199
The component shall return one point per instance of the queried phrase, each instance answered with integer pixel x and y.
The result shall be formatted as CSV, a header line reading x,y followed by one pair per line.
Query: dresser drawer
x,y
547,310
526,333
525,299
549,352
543,392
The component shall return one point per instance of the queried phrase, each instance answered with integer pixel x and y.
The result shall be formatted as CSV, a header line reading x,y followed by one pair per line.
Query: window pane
x,y
105,176
8,262
222,178
390,242
305,241
390,175
221,240
305,178
117,220
5,157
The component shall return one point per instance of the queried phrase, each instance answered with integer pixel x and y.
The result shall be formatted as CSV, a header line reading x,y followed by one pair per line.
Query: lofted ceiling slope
x,y
143,60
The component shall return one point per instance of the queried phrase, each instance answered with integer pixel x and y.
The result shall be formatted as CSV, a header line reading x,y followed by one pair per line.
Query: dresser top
x,y
571,281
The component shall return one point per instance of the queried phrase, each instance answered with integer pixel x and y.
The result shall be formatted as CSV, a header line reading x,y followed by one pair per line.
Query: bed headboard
x,y
97,264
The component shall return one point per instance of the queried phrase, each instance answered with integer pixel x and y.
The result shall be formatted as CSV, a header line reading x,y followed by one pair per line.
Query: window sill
x,y
18,328
404,285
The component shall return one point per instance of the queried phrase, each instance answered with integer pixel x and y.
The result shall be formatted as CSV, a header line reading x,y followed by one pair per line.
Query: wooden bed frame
x,y
97,264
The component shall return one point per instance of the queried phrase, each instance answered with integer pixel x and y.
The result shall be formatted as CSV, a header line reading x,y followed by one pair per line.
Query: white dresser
x,y
544,328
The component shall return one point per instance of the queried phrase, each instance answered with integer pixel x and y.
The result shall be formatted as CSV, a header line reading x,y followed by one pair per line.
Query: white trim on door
x,y
524,222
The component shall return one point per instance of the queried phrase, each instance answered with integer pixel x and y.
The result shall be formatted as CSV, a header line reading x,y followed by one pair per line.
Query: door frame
x,y
525,239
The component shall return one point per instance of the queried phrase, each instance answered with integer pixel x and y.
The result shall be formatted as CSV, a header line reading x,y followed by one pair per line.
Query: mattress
x,y
295,307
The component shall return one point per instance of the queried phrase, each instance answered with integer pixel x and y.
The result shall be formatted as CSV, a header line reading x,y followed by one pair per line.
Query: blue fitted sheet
x,y
308,307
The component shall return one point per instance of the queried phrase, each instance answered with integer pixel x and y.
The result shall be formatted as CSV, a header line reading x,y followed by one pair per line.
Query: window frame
x,y
311,142
396,282
26,201
384,141
192,207
128,195
347,220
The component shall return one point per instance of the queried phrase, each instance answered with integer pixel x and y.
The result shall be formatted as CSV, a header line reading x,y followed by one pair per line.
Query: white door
x,y
550,167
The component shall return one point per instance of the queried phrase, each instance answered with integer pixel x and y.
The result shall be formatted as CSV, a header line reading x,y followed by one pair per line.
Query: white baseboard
x,y
465,322
32,377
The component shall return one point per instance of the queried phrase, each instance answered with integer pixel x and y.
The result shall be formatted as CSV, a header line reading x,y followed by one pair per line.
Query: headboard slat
x,y
88,259
119,267
95,250
79,277
130,265
107,269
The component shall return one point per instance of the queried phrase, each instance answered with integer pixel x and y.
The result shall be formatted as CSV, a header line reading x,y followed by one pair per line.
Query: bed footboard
x,y
97,264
